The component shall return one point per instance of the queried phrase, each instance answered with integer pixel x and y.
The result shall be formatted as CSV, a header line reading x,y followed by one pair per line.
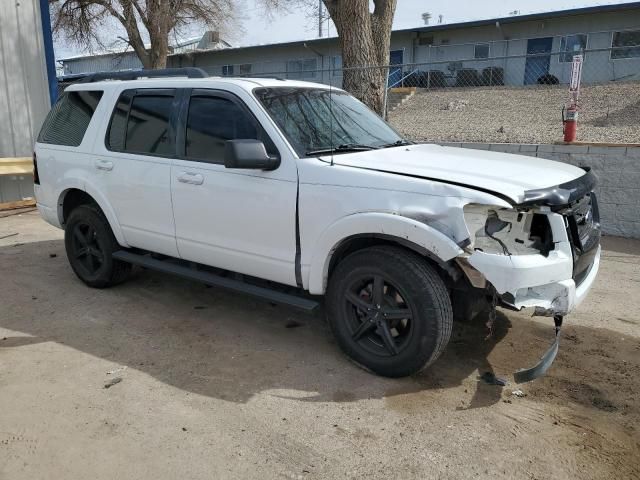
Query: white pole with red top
x,y
570,115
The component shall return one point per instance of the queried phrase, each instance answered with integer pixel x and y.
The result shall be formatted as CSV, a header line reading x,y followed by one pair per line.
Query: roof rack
x,y
189,72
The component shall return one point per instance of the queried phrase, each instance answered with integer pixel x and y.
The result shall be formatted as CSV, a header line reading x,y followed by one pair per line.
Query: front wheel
x,y
389,310
89,243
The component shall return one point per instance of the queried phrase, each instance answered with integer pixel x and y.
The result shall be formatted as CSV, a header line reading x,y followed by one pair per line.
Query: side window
x,y
212,121
118,126
148,125
140,124
68,120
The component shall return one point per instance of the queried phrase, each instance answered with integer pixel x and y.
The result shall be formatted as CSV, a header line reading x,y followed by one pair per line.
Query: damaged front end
x,y
542,254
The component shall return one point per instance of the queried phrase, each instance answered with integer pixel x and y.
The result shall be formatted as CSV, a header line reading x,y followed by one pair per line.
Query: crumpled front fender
x,y
438,245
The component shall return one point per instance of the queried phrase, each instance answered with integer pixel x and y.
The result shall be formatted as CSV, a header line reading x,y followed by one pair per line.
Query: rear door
x,y
133,167
238,220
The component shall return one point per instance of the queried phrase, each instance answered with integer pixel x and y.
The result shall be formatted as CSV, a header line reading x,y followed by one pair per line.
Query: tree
x,y
364,37
82,20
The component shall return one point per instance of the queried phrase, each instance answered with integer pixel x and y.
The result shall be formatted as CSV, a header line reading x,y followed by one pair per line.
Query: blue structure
x,y
50,60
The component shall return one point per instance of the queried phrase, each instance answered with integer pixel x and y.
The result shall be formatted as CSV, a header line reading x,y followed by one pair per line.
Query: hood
x,y
508,175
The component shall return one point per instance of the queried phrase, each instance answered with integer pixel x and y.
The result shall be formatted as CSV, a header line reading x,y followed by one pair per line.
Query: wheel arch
x,y
75,196
358,231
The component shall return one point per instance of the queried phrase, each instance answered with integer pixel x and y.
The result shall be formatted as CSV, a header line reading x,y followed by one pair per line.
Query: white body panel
x,y
245,220
505,173
242,221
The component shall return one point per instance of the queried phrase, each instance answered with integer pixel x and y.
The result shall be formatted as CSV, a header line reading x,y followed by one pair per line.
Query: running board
x,y
214,280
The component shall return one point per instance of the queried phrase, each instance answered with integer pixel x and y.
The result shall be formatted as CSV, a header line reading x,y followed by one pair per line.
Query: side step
x,y
216,280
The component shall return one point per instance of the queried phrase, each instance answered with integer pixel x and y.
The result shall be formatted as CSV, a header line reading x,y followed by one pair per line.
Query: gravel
x,y
609,113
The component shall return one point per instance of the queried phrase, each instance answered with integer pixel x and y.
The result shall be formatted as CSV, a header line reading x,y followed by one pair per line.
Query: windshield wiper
x,y
397,143
345,147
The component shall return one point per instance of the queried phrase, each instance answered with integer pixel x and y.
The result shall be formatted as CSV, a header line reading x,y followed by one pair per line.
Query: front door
x,y
238,220
538,59
395,73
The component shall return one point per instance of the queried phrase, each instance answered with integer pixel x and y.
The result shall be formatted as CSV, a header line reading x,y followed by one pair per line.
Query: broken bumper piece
x,y
528,374
552,299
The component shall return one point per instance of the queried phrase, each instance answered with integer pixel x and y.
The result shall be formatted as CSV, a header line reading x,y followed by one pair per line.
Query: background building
x,y
116,60
516,50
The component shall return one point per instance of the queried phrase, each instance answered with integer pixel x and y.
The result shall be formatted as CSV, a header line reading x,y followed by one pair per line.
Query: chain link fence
x,y
510,98
485,92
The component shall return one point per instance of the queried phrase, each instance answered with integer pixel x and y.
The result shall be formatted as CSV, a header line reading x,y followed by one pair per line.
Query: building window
x,y
336,65
298,69
481,51
625,44
245,69
227,70
572,45
424,41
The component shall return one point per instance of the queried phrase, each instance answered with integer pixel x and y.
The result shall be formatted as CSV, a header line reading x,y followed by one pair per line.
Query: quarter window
x,y
212,121
625,44
68,120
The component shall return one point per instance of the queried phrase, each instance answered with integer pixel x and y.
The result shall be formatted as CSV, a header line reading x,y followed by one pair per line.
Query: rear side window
x,y
69,118
118,126
141,124
213,120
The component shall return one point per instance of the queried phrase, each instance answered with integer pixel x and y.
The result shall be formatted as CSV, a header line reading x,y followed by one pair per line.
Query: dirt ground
x,y
216,385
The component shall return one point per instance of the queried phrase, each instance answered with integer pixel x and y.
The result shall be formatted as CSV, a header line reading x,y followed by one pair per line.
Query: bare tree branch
x,y
83,22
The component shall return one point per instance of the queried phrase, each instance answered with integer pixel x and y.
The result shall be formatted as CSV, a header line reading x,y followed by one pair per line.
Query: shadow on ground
x,y
232,347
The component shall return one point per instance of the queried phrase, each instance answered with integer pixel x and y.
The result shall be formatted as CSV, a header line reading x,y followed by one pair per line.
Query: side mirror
x,y
248,153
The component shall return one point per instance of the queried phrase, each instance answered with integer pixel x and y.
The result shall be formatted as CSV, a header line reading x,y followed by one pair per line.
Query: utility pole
x,y
319,18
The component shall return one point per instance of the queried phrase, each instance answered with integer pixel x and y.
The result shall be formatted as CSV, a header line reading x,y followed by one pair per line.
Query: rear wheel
x,y
389,310
89,243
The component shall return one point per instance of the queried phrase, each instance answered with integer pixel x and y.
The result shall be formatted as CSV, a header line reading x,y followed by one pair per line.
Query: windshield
x,y
315,120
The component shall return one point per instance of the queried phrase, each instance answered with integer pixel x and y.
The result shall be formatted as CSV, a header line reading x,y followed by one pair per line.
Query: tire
x,y
413,324
89,242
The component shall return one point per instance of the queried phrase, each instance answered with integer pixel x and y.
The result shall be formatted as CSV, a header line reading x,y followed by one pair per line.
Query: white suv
x,y
277,187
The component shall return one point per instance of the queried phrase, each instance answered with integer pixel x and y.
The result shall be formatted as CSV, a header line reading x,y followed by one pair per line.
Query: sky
x,y
257,28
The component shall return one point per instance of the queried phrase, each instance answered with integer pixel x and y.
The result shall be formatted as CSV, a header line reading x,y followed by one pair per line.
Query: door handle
x,y
191,178
104,165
